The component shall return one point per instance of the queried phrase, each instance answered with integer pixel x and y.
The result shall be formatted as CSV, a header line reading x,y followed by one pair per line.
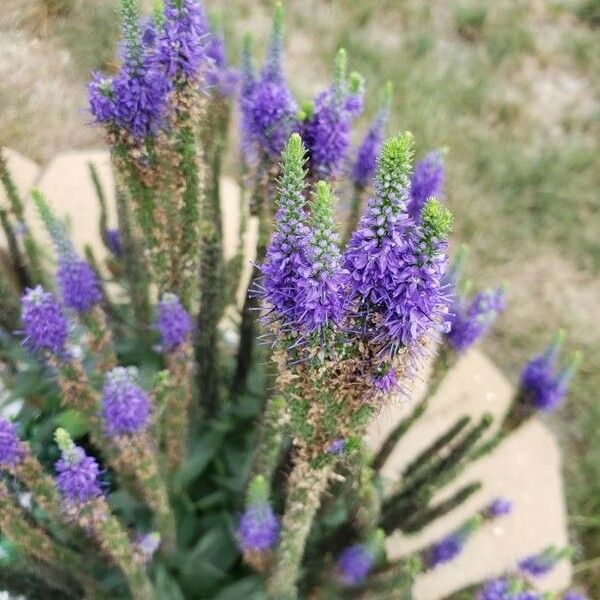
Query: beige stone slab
x,y
68,187
473,387
524,469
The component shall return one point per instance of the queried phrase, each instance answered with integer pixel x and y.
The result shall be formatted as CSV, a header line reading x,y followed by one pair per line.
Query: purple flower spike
x,y
220,76
125,406
77,475
427,181
259,528
113,242
446,550
173,322
287,262
321,300
183,40
327,137
44,324
470,321
538,565
140,98
270,115
267,106
355,563
78,283
499,507
573,595
505,589
365,165
542,385
11,448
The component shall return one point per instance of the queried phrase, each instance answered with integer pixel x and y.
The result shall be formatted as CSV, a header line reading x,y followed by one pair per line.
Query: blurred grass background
x,y
510,87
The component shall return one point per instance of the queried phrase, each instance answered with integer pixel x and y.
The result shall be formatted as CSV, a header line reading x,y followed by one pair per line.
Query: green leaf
x,y
201,456
166,587
73,421
250,588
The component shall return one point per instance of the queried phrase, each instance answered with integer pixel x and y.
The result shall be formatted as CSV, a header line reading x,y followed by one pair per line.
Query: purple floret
x,y
173,322
11,448
500,507
44,324
78,476
126,407
427,181
337,447
386,379
470,321
259,528
78,284
181,48
573,595
446,550
355,564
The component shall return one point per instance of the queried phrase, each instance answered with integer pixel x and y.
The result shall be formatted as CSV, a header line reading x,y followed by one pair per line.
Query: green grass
x,y
486,82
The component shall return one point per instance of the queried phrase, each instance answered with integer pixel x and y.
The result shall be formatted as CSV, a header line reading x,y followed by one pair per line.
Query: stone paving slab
x,y
526,469
68,187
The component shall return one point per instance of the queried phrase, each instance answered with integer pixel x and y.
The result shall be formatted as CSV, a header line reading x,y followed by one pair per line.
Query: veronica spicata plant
x,y
154,453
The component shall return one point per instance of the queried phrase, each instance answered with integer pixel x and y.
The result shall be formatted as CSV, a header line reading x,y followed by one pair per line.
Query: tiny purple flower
x,y
44,324
78,283
573,595
259,528
427,181
78,476
11,448
499,508
337,447
446,550
148,544
126,407
385,379
173,322
355,563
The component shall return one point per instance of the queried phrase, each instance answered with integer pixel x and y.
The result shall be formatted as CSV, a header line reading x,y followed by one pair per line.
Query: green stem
x,y
358,197
305,487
